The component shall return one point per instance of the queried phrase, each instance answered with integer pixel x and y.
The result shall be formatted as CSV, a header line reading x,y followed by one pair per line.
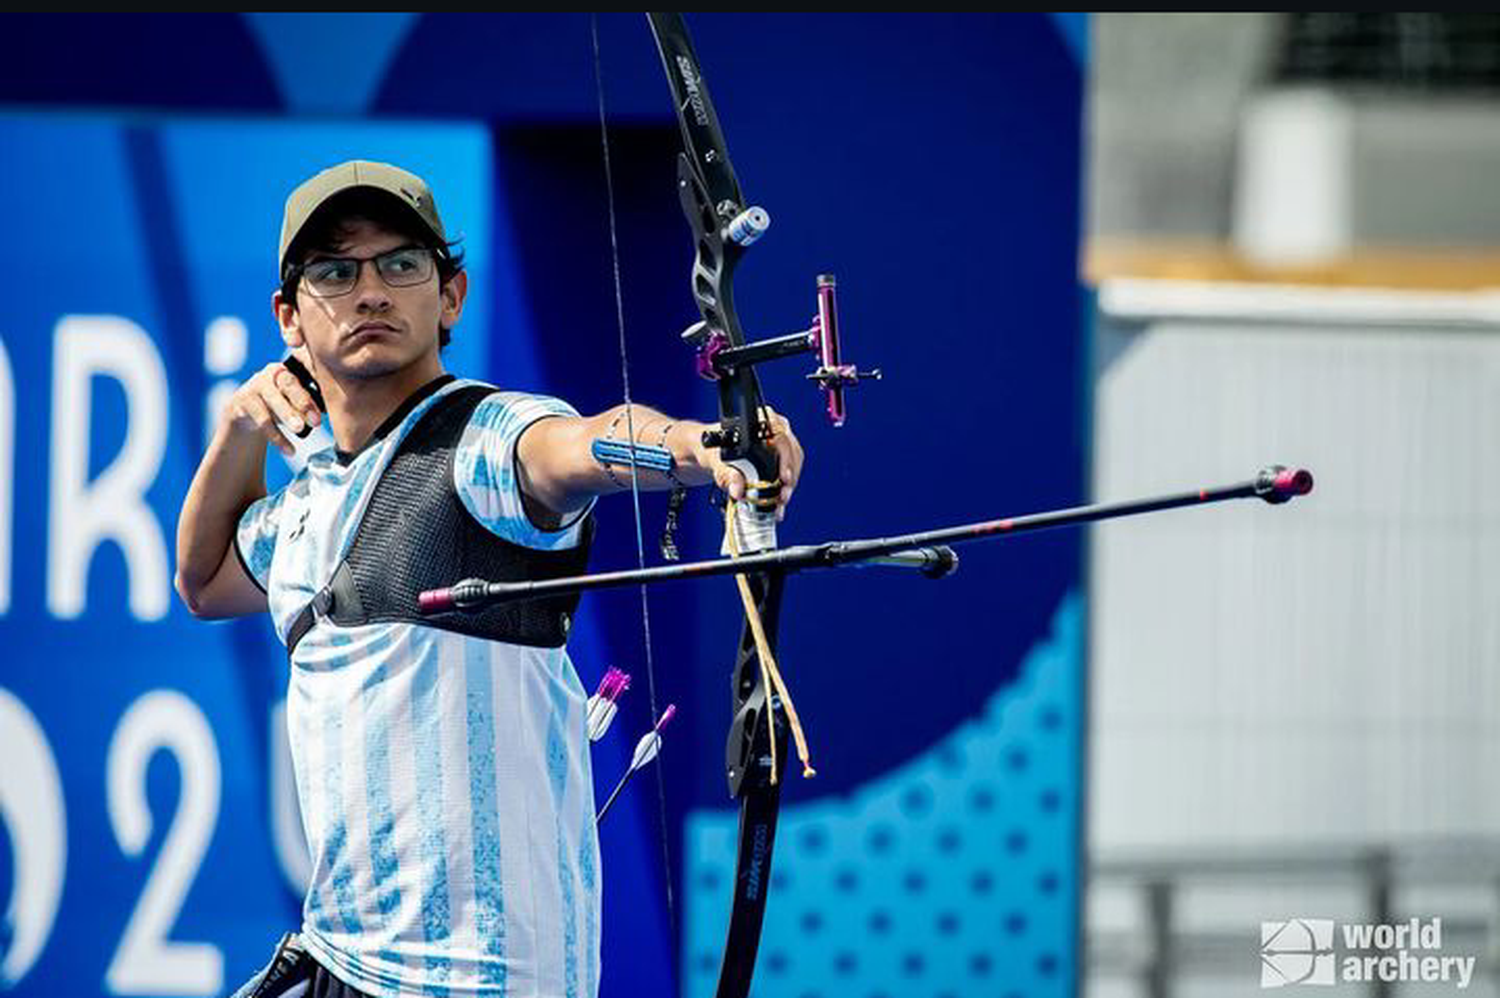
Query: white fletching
x,y
646,749
601,715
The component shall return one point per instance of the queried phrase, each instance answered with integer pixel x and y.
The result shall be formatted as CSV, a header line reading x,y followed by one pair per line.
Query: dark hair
x,y
330,226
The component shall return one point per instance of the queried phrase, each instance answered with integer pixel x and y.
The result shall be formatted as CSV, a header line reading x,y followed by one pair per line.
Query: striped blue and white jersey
x,y
444,779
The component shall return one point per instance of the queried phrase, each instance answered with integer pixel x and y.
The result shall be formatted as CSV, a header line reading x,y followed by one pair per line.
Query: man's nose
x,y
370,290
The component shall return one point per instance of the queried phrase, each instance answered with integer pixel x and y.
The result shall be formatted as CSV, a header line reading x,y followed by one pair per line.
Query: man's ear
x,y
453,294
289,320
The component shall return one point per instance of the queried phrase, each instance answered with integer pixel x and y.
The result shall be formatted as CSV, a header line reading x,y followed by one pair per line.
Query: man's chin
x,y
371,370
371,365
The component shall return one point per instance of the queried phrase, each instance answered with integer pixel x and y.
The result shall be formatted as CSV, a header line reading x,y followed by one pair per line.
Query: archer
x,y
442,764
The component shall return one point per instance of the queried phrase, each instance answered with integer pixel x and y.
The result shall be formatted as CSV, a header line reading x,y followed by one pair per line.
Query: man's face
x,y
374,329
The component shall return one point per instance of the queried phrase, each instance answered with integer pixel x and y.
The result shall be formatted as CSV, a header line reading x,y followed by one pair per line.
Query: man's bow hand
x,y
788,451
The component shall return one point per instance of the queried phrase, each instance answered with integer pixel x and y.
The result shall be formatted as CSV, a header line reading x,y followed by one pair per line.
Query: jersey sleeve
x,y
255,538
484,470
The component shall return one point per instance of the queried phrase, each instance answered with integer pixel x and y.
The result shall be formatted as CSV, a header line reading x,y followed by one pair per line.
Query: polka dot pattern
x,y
953,875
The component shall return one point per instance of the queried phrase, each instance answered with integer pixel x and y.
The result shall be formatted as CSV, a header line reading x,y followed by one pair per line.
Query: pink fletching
x,y
613,684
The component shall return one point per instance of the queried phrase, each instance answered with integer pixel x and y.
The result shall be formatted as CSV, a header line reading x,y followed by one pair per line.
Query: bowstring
x,y
635,490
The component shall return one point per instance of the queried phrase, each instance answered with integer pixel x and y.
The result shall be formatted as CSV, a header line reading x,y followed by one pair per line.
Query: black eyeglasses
x,y
402,267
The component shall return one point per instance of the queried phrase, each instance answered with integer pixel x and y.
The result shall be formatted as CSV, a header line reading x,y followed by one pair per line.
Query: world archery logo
x,y
1297,951
1301,951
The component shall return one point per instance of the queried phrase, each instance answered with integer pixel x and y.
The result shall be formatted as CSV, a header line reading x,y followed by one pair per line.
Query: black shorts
x,y
293,973
325,985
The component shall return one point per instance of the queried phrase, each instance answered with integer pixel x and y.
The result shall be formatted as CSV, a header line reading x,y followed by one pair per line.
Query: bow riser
x,y
741,435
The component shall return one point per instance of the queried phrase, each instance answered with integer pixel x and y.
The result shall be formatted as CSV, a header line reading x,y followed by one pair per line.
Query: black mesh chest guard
x,y
416,535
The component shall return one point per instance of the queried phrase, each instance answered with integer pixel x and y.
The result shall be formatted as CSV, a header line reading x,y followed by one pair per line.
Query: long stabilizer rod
x,y
926,550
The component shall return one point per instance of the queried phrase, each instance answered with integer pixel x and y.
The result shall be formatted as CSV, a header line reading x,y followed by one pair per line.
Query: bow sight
x,y
718,359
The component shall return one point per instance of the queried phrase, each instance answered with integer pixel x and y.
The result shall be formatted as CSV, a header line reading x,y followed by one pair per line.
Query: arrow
x,y
646,750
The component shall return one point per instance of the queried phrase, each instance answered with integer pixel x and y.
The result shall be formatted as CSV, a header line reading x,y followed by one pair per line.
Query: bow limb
x,y
755,751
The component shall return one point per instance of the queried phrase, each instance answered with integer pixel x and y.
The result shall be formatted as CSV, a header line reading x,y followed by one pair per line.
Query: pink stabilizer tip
x,y
434,600
1295,481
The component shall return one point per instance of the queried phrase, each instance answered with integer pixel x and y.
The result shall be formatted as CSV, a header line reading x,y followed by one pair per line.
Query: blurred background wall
x,y
1292,236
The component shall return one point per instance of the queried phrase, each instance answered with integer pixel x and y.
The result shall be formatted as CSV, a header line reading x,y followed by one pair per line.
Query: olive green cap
x,y
408,188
